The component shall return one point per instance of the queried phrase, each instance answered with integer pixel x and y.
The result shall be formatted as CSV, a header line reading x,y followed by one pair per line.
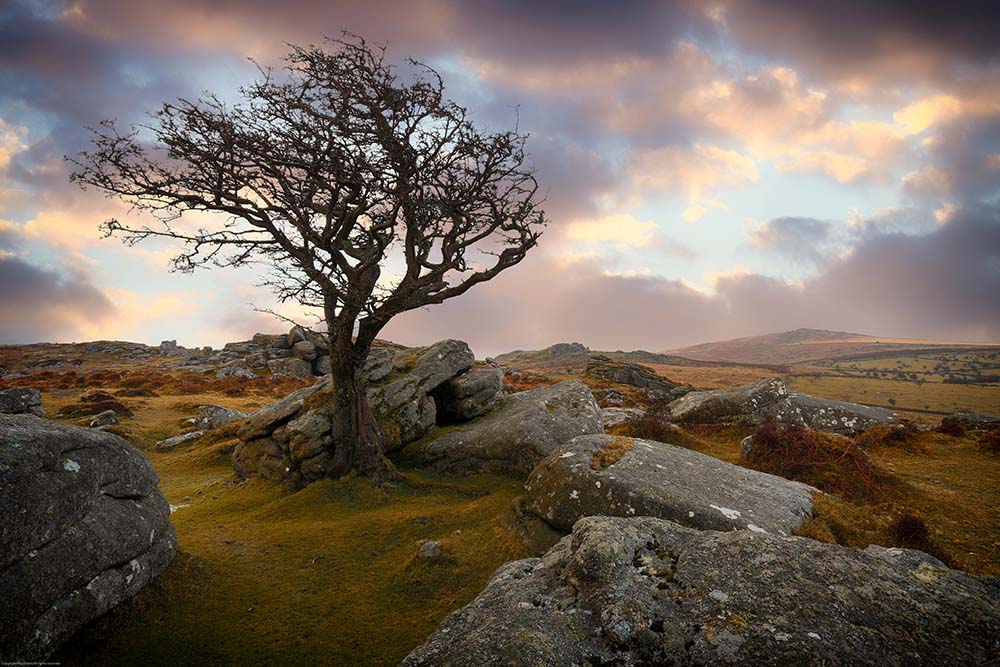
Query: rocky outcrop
x,y
298,345
520,430
290,440
102,419
823,414
617,476
645,591
751,404
84,529
214,416
469,395
634,375
238,368
402,384
21,400
181,439
291,366
971,421
617,416
609,397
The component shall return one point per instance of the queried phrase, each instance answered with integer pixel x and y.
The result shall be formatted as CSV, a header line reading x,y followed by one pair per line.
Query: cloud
x,y
10,235
923,113
38,304
944,284
620,228
775,116
627,108
799,239
11,141
698,171
693,213
960,160
862,43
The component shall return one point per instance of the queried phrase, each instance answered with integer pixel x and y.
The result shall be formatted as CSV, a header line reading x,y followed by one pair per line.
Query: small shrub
x,y
951,426
86,409
96,397
910,532
134,393
650,426
517,381
990,441
904,435
830,463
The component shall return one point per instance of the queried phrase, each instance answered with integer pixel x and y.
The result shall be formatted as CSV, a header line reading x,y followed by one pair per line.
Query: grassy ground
x,y
328,575
905,397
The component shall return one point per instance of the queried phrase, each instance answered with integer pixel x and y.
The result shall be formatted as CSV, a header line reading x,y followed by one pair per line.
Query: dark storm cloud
x,y
37,304
869,38
568,31
10,236
945,284
58,79
963,161
572,175
799,239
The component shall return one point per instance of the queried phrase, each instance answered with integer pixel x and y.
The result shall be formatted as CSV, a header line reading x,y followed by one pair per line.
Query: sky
x,y
711,169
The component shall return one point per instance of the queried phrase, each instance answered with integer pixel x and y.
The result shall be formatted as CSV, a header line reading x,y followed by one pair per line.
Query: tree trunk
x,y
357,438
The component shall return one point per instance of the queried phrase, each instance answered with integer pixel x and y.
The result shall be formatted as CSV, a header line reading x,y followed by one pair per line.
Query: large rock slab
x,y
751,404
619,416
469,395
84,529
290,366
645,591
401,393
616,476
635,375
520,430
21,400
214,416
823,414
290,440
975,420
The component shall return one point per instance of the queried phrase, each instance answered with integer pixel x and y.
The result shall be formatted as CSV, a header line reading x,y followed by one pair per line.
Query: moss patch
x,y
611,452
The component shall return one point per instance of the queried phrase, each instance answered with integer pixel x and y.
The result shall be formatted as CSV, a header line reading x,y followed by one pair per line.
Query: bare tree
x,y
327,173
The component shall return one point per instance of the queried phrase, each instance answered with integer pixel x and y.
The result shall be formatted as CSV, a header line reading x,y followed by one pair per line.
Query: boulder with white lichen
x,y
85,529
619,476
645,591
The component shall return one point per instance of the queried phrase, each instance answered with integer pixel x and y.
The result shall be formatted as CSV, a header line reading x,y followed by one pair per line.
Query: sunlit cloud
x,y
698,172
12,140
918,116
620,229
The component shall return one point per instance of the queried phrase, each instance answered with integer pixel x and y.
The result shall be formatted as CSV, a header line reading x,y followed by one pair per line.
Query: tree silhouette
x,y
365,193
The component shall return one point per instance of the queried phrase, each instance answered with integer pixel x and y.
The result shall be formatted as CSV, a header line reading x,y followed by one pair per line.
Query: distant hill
x,y
576,355
804,345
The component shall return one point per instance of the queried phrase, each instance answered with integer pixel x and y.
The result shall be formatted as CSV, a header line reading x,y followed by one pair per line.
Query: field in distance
x,y
809,345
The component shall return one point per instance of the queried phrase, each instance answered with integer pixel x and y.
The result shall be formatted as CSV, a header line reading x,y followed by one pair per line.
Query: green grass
x,y
328,575
909,397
